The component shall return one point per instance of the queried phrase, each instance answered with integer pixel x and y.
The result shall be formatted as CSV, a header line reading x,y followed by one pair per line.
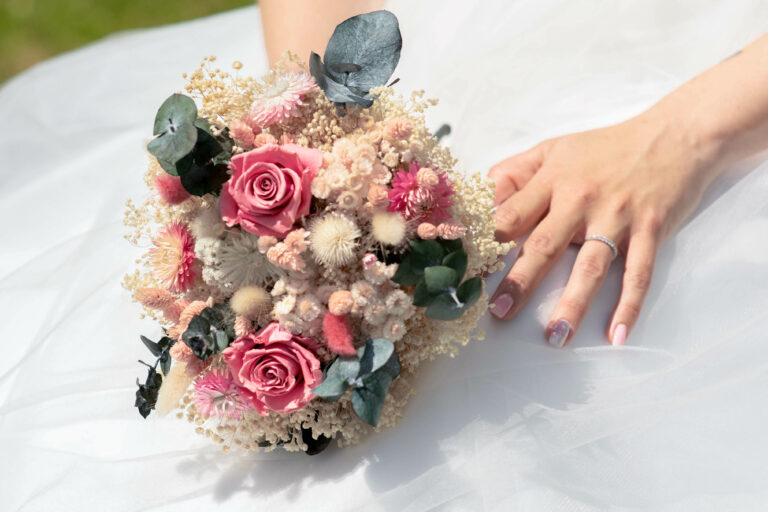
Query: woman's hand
x,y
632,183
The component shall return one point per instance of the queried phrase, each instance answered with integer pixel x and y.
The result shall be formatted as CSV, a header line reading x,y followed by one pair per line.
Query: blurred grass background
x,y
33,30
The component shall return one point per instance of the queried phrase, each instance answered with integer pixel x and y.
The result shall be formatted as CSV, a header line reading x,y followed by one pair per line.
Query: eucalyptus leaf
x,y
146,394
175,129
406,274
421,295
331,389
153,347
440,279
364,50
314,446
450,245
201,180
367,405
444,307
457,260
469,291
334,91
376,354
430,252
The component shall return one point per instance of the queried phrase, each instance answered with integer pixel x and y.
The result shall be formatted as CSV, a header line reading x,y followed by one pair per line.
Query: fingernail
x,y
501,305
559,333
619,335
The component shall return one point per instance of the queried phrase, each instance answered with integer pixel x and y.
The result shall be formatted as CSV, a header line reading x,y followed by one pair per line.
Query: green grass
x,y
33,30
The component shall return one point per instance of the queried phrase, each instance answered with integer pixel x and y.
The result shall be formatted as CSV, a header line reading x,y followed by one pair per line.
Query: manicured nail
x,y
559,333
501,305
619,335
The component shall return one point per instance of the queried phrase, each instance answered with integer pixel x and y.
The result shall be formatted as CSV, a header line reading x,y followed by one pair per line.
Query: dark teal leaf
x,y
429,252
203,124
444,307
406,275
450,245
364,50
391,367
331,389
334,91
440,279
457,260
469,291
146,394
346,368
208,179
376,354
421,295
153,347
314,446
367,405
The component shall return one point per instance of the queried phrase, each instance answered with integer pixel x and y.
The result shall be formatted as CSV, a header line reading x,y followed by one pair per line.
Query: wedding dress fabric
x,y
674,420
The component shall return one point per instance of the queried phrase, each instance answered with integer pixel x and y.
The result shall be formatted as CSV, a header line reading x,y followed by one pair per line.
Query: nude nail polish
x,y
619,335
559,333
501,305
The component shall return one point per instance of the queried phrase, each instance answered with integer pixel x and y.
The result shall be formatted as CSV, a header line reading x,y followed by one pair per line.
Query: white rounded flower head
x,y
333,240
208,224
388,227
251,302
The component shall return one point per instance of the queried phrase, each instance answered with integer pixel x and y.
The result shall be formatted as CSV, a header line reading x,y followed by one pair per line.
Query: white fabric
x,y
675,420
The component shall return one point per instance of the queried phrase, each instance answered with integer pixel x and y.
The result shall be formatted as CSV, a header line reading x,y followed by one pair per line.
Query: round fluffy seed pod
x,y
251,301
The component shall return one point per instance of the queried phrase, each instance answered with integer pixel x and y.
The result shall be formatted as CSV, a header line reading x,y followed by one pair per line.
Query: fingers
x,y
638,270
542,249
519,213
587,276
512,174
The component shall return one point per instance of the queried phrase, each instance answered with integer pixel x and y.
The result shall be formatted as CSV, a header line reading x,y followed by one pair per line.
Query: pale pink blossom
x,y
282,256
296,240
172,259
427,231
399,128
217,395
340,302
287,138
265,242
170,189
242,133
281,99
263,139
427,178
451,230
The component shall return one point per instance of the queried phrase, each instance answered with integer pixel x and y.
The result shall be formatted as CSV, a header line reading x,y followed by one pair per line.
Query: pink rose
x,y
270,188
274,369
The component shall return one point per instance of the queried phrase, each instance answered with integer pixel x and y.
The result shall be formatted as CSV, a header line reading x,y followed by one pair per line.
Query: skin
x,y
302,26
634,183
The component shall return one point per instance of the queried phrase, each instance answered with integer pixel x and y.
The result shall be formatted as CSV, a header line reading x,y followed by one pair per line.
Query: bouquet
x,y
310,245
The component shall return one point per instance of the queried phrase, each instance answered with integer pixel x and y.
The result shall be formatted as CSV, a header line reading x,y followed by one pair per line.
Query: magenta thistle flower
x,y
281,98
421,200
217,395
172,259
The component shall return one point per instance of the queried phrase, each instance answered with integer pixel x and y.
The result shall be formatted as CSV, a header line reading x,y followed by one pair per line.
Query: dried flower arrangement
x,y
312,246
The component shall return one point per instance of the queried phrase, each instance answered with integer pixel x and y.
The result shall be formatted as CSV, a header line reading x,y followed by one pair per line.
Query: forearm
x,y
302,26
725,109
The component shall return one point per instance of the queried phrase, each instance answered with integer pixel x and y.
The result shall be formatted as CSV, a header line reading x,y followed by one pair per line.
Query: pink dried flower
x,y
451,230
287,138
194,367
217,395
296,240
281,99
242,133
282,256
170,189
243,326
418,203
340,302
162,300
399,128
265,242
369,260
172,258
338,335
378,196
263,139
427,178
427,231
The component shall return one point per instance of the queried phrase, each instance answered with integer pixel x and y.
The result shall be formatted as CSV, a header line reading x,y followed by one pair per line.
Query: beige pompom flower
x,y
333,240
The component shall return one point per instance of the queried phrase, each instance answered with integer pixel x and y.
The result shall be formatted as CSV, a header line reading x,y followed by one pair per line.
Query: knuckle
x,y
584,196
576,308
518,281
639,278
629,311
592,266
508,218
653,223
542,243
